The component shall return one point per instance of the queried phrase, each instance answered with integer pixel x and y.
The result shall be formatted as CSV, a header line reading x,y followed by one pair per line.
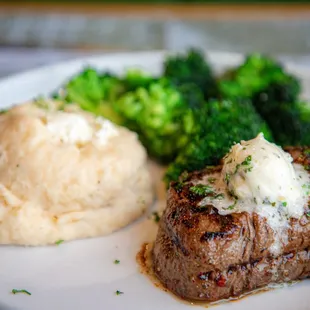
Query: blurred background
x,y
37,33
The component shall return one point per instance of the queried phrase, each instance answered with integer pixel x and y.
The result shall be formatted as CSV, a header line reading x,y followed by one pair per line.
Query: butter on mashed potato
x,y
67,175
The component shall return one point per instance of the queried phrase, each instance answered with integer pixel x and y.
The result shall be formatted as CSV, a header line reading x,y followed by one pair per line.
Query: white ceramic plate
x,y
81,274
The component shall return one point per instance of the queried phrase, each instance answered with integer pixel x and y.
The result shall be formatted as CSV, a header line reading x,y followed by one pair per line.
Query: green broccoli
x,y
303,109
162,115
136,78
290,123
260,75
221,124
191,68
93,92
274,93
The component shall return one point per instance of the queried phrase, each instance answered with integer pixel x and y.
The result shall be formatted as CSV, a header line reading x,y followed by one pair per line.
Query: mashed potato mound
x,y
67,175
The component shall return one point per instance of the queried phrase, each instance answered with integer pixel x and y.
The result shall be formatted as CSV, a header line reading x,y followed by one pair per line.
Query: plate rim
x,y
236,56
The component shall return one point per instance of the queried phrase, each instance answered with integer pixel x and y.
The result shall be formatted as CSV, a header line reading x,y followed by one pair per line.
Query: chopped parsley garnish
x,y
119,292
284,203
307,167
233,194
211,180
227,178
58,242
307,152
178,186
231,207
307,188
237,168
15,291
308,214
116,262
183,177
266,201
201,189
247,161
219,196
156,217
273,204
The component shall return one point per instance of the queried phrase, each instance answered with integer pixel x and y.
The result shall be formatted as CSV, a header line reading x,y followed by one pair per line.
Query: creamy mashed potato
x,y
67,175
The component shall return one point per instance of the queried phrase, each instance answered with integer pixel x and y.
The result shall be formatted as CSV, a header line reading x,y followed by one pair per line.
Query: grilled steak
x,y
202,255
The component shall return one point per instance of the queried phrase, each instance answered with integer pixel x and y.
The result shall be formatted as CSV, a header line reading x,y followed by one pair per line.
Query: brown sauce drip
x,y
144,260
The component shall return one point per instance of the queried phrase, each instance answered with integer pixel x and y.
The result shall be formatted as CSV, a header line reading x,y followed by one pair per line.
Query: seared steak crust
x,y
202,255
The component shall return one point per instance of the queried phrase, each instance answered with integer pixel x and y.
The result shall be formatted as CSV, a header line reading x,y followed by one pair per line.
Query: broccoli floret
x,y
287,117
274,93
97,92
162,116
135,78
221,124
260,76
93,92
191,68
290,123
303,109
